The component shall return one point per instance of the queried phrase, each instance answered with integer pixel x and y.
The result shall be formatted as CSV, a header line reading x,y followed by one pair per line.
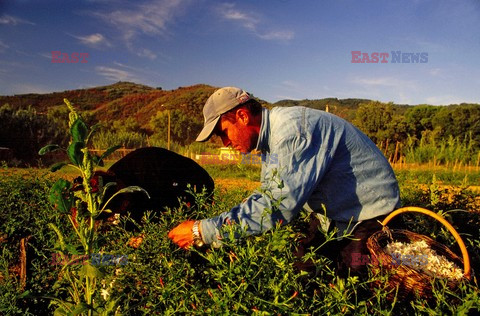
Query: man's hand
x,y
182,235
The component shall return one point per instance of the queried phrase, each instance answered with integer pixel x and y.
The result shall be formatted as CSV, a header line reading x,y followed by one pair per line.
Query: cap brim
x,y
207,130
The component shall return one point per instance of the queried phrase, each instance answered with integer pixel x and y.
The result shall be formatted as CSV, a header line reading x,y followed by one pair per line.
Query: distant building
x,y
226,156
227,153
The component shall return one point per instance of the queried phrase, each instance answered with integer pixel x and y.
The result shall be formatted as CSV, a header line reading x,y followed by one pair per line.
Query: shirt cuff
x,y
210,233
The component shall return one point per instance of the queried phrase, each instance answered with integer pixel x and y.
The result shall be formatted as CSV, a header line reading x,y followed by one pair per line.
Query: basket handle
x,y
466,260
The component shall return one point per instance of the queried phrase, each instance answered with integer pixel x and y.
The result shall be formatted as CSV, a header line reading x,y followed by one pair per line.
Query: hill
x,y
118,102
85,99
136,115
123,100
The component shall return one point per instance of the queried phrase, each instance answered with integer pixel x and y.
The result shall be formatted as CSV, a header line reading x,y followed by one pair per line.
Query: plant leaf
x,y
79,130
107,186
109,151
131,189
74,152
60,195
48,148
93,129
58,166
60,311
80,308
89,270
24,294
61,240
96,160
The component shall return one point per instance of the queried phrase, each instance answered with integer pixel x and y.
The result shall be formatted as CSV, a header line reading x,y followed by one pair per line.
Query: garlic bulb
x,y
419,256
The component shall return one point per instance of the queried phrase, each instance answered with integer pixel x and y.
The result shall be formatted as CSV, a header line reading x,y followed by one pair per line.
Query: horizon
x,y
282,100
412,52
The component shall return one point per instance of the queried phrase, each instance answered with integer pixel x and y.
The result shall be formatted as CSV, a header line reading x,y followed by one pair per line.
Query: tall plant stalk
x,y
81,203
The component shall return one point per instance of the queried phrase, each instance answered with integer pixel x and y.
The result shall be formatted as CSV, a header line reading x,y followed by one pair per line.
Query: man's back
x,y
352,177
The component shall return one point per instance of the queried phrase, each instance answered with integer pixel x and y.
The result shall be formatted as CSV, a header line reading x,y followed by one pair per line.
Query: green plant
x,y
82,203
254,276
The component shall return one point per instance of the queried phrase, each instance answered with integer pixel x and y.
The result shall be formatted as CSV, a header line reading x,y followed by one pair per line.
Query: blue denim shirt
x,y
322,160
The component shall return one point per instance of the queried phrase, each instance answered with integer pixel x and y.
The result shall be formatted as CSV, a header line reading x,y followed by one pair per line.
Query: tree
x,y
374,119
458,121
419,119
25,132
183,129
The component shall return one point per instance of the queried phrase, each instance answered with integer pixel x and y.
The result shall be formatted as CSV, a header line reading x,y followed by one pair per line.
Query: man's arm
x,y
301,165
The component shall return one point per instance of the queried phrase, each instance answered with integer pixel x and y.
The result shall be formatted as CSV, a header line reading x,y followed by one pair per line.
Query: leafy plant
x,y
82,202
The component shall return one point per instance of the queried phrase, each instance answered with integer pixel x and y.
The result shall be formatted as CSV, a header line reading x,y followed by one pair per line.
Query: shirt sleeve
x,y
295,166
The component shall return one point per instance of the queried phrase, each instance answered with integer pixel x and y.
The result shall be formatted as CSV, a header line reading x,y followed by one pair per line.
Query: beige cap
x,y
220,102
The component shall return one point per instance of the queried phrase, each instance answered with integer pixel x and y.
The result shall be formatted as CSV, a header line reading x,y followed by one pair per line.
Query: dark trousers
x,y
349,255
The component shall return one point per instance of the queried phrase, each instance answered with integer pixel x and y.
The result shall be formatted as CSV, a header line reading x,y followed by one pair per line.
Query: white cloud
x,y
115,74
46,55
151,18
23,88
3,47
384,82
289,84
96,40
279,97
252,22
11,20
444,100
248,21
144,52
435,71
277,35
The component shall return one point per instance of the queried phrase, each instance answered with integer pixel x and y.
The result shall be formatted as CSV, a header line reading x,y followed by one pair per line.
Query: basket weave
x,y
410,282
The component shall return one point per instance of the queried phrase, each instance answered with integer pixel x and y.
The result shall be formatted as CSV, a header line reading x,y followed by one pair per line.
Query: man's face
x,y
239,134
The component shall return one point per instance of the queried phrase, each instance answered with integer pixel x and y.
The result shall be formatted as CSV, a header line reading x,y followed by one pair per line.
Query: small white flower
x,y
104,293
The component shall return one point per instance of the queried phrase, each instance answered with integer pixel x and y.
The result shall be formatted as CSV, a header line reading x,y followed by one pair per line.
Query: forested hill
x,y
85,99
117,102
342,107
123,100
135,115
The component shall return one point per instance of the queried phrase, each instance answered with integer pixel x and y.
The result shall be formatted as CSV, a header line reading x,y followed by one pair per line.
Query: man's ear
x,y
243,116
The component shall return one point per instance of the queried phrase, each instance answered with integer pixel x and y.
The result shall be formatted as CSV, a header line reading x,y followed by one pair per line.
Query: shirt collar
x,y
263,136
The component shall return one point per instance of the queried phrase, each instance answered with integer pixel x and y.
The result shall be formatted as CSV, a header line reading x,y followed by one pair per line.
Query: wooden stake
x,y
23,262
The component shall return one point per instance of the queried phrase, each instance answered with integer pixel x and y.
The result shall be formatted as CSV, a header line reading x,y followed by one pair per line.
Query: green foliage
x,y
25,213
24,130
254,276
458,121
376,120
107,139
136,116
183,129
344,108
250,172
442,151
419,119
82,206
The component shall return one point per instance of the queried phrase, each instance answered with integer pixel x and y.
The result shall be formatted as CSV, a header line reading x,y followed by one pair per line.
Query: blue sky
x,y
275,49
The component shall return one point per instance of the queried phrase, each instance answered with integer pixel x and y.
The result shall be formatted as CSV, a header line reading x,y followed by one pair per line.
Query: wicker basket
x,y
408,281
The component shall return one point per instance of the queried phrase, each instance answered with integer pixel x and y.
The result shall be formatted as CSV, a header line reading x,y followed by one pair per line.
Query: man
x,y
322,161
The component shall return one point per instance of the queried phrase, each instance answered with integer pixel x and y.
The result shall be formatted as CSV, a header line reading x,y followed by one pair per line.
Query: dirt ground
x,y
228,183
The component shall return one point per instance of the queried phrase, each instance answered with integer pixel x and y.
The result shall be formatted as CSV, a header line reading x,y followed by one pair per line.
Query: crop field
x,y
254,276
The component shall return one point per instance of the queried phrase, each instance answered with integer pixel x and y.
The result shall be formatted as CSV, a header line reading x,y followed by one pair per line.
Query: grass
x,y
253,276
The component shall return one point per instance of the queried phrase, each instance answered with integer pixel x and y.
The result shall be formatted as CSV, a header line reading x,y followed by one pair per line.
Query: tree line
x,y
414,133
